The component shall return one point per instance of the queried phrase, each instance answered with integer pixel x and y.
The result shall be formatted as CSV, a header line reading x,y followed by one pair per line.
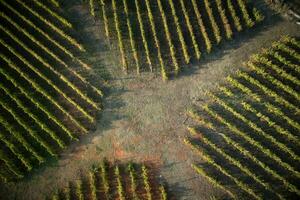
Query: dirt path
x,y
143,119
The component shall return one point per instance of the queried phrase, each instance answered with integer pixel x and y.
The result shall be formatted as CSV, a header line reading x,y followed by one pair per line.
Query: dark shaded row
x,y
170,33
45,100
115,181
249,132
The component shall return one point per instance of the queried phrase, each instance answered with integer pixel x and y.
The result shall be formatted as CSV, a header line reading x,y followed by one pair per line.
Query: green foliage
x,y
213,22
163,193
246,16
120,187
257,15
104,178
55,3
157,43
120,176
234,15
92,180
61,76
120,38
79,190
102,4
170,45
233,161
36,85
39,83
43,33
191,29
92,7
53,13
168,37
52,26
133,180
143,34
146,182
224,18
132,41
202,26
247,115
180,33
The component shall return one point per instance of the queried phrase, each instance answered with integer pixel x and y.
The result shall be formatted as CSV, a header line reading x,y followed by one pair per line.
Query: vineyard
x,y
46,100
248,134
115,181
170,34
154,100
